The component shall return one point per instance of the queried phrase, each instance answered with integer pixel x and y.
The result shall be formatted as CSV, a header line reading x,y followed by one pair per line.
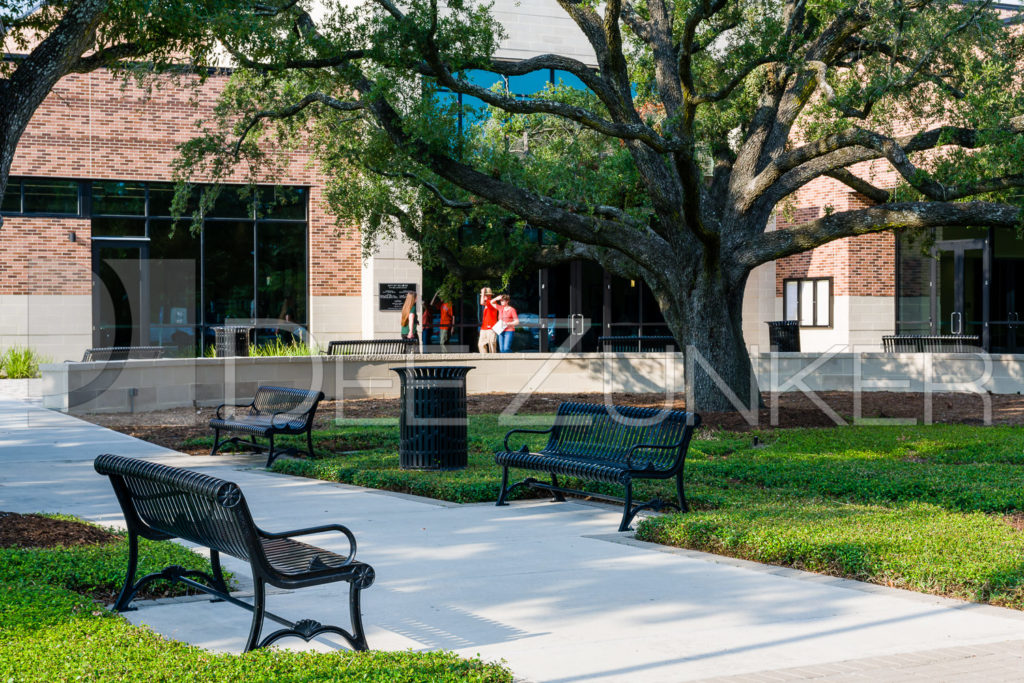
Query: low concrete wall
x,y
143,385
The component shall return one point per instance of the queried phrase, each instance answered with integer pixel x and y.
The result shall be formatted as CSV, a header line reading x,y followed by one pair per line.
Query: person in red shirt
x,y
488,342
445,323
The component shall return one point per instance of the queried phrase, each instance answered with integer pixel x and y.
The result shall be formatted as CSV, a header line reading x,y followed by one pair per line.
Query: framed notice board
x,y
392,294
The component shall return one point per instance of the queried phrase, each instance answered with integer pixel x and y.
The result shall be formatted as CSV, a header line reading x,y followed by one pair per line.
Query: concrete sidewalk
x,y
550,588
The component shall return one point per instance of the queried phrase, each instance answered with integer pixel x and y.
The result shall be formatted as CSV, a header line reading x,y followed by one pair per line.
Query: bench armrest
x,y
318,530
287,420
222,406
629,454
526,431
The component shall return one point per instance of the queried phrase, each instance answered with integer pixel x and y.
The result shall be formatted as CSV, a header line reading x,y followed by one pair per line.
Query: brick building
x,y
89,253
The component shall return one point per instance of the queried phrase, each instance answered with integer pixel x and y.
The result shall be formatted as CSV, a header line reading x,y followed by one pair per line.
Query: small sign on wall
x,y
392,294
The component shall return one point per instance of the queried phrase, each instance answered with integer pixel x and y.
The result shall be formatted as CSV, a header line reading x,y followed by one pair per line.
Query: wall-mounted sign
x,y
392,294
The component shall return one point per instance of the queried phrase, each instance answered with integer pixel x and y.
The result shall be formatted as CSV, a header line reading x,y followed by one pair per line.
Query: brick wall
x,y
39,258
860,266
95,126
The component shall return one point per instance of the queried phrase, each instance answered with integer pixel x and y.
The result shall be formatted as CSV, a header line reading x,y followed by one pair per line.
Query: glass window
x,y
792,293
283,202
529,84
11,202
474,110
233,202
822,302
118,227
566,78
118,198
282,271
228,266
483,79
161,195
174,286
51,196
809,301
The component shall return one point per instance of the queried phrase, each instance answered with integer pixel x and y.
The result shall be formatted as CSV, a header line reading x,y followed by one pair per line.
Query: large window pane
x,y
792,297
161,195
233,202
822,303
228,265
283,202
282,271
174,286
806,302
11,202
51,196
529,84
118,198
118,227
483,79
566,78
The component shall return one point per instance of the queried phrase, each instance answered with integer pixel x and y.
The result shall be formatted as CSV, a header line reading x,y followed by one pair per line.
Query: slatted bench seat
x,y
273,411
161,503
371,347
605,443
106,353
931,343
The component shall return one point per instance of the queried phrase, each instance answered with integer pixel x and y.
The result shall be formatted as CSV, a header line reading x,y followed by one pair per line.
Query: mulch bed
x,y
170,428
36,531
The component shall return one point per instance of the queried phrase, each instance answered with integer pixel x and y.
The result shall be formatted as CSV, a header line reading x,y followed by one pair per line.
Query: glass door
x,y
120,293
958,296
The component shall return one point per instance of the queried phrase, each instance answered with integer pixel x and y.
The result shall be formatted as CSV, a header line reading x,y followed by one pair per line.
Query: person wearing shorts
x,y
488,342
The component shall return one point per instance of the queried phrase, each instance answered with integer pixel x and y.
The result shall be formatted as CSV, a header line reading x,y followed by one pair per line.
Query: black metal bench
x,y
622,344
161,502
106,353
931,343
274,410
371,347
606,443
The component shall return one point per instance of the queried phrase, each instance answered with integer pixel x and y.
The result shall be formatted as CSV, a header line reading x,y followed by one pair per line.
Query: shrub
x,y
279,348
20,363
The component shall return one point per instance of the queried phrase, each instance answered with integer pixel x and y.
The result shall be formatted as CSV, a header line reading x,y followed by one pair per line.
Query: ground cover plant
x,y
937,508
51,631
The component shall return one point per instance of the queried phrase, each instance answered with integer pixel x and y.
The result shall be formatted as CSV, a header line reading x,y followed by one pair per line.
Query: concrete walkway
x,y
550,588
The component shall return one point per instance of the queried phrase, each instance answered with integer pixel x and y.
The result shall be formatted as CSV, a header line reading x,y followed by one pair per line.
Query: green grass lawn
x,y
930,508
50,630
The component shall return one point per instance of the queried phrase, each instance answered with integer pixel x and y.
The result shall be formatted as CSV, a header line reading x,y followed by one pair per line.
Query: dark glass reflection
x,y
11,202
282,271
228,264
51,196
119,227
118,198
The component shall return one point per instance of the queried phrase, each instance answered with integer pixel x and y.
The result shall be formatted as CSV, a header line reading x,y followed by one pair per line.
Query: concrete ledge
x,y
144,385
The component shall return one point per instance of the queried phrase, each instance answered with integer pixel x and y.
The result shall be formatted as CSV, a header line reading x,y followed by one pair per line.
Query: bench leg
x,y
683,507
271,454
218,574
258,608
124,599
559,498
358,639
627,511
504,487
309,443
216,441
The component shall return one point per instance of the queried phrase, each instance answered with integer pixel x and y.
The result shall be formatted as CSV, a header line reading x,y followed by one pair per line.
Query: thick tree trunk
x,y
706,319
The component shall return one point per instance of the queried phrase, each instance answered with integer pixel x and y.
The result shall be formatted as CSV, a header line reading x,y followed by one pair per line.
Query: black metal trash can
x,y
784,335
233,340
432,426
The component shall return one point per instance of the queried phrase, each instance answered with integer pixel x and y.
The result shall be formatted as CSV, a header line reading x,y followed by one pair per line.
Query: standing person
x,y
409,316
488,342
509,318
445,323
428,322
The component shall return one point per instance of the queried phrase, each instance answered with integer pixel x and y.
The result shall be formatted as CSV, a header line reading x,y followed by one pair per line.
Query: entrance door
x,y
958,297
120,293
573,294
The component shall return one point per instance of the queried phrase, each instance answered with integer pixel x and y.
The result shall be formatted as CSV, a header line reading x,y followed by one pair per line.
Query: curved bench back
x,y
270,400
177,503
606,432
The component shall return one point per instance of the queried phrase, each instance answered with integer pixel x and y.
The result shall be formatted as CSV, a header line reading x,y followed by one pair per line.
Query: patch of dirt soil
x,y
1016,520
170,428
36,531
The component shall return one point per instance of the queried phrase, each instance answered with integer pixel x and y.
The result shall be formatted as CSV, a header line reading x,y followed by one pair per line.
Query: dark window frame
x,y
814,302
80,212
